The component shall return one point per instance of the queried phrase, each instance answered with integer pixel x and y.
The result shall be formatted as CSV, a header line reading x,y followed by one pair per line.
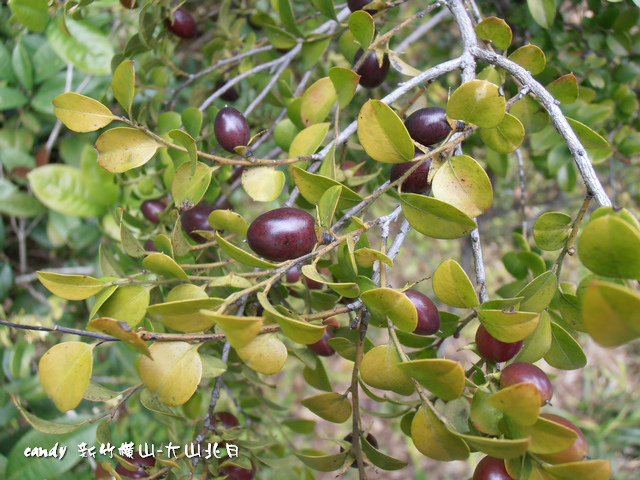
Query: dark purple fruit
x,y
151,209
428,126
491,468
576,452
523,372
417,182
231,129
228,419
428,316
230,94
183,25
371,73
494,350
370,438
129,3
282,234
293,275
322,347
150,246
197,218
139,462
355,5
238,473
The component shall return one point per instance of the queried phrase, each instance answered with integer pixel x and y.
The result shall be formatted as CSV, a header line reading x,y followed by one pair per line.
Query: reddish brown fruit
x,y
355,5
417,182
227,419
282,234
184,25
151,209
322,347
428,126
293,275
523,372
197,218
370,438
230,94
491,468
130,4
494,350
428,316
371,73
150,246
238,473
231,129
576,452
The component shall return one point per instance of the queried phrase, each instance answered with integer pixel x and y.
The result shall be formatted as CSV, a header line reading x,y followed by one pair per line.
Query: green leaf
x,y
188,187
497,447
433,439
587,136
33,14
531,58
611,313
463,183
484,417
401,66
192,121
128,303
531,114
63,189
508,325
184,315
100,183
583,470
552,230
331,407
565,353
610,246
345,82
362,27
151,402
287,18
496,30
521,402
506,137
124,84
538,294
564,89
366,257
263,184
120,330
327,205
80,113
321,462
279,38
242,256
542,11
88,49
435,218
383,135
380,459
444,378
326,8
453,287
349,290
396,305
317,102
240,331
546,436
164,265
22,66
121,149
65,371
12,98
478,102
538,343
184,139
70,287
308,140
98,393
380,369
296,329
313,186
228,220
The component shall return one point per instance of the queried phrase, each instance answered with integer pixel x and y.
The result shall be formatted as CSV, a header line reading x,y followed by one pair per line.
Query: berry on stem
x,y
494,350
230,94
183,24
355,5
231,129
227,419
523,372
417,182
371,73
491,468
428,316
322,347
151,209
197,218
428,126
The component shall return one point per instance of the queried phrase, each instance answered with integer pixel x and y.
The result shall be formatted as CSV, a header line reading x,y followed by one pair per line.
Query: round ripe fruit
x,y
322,347
129,3
197,218
231,129
494,350
282,234
522,372
151,209
417,182
371,73
293,275
355,5
150,246
576,452
370,438
428,316
184,25
138,461
228,419
230,94
238,473
428,126
491,468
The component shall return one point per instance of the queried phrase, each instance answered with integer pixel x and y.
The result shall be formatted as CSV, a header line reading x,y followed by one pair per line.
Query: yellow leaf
x,y
80,113
121,149
265,354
